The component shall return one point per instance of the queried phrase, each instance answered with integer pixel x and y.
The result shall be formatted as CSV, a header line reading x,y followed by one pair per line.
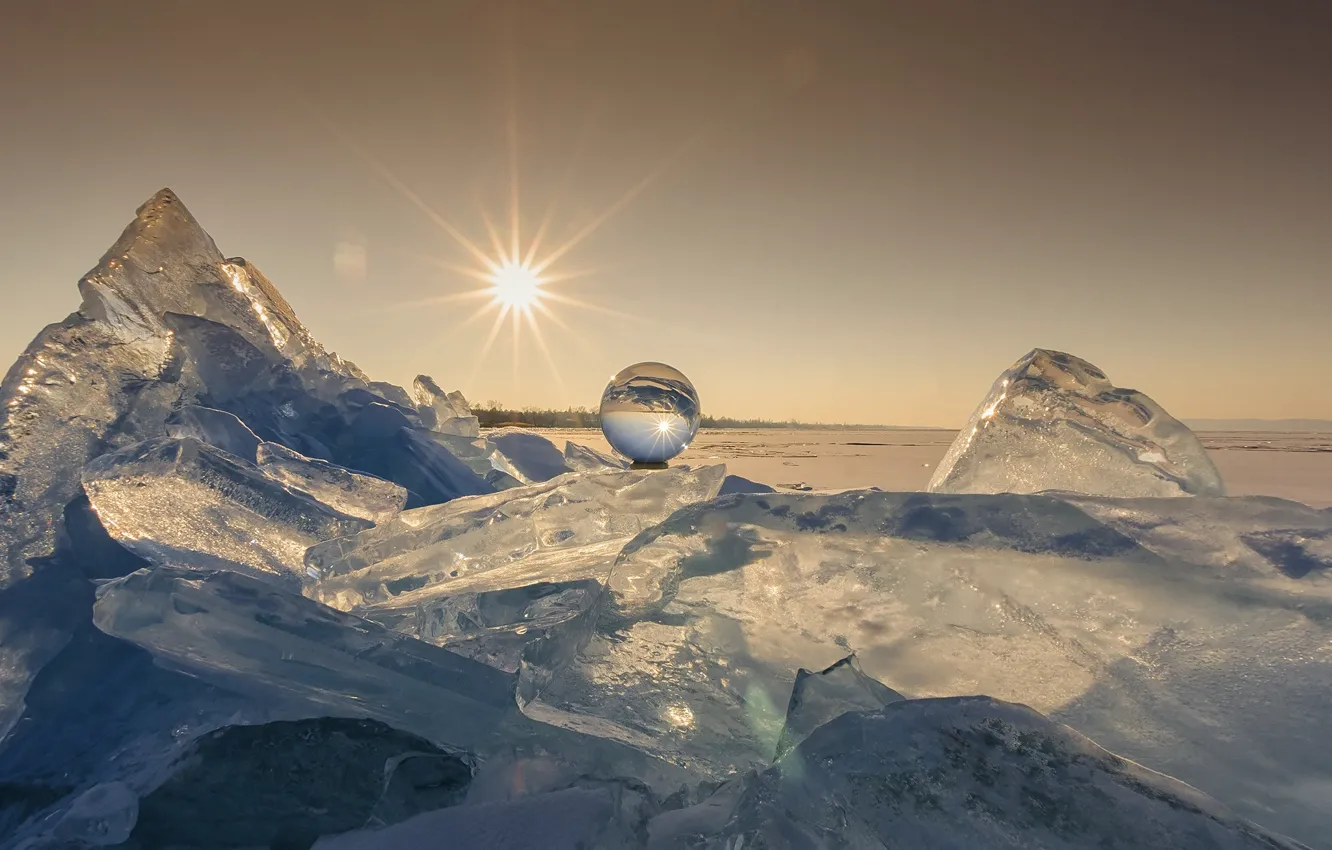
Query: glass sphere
x,y
649,412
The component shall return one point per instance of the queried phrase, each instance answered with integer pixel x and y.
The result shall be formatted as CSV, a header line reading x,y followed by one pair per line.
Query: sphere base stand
x,y
649,464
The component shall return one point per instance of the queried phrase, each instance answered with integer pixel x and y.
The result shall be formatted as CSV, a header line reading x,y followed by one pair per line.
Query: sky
x,y
831,211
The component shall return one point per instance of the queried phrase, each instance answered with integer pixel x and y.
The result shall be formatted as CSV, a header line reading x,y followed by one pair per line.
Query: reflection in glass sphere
x,y
649,412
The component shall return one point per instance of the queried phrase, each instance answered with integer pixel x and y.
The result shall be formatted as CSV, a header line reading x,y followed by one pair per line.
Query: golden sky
x,y
837,211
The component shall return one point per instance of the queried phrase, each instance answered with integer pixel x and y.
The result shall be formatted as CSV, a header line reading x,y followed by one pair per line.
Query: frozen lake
x,y
1291,466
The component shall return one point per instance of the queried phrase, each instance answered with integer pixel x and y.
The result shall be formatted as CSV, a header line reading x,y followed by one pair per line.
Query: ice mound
x,y
110,374
970,773
1055,422
1132,634
433,572
186,502
351,493
171,338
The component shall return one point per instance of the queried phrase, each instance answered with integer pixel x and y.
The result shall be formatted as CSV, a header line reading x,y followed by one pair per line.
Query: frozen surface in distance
x,y
1133,634
188,503
649,412
973,772
404,573
1055,422
351,493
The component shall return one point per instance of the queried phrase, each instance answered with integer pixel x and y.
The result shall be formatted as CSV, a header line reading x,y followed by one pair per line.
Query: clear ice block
x,y
1055,422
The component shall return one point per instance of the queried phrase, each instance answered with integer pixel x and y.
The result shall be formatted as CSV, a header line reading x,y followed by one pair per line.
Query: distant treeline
x,y
493,414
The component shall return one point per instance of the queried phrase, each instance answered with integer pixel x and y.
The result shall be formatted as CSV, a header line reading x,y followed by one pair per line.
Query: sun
x,y
515,286
520,283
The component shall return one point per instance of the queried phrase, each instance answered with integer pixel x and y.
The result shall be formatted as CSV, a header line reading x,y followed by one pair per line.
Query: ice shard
x,y
255,638
819,697
534,457
580,458
280,649
166,322
1055,422
215,427
974,772
184,502
480,456
1137,629
111,373
500,627
428,469
568,529
351,493
447,413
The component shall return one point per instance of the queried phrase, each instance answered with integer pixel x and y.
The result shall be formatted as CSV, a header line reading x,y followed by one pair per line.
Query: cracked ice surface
x,y
409,573
1143,644
1055,422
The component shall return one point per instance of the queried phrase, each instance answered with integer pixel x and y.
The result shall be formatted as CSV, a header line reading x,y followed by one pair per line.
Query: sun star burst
x,y
515,285
517,282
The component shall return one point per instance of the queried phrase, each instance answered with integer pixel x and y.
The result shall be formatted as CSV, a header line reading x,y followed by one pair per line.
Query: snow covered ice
x,y
253,598
1055,422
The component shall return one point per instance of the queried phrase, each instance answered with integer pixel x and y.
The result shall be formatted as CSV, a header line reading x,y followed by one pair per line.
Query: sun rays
x,y
517,282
